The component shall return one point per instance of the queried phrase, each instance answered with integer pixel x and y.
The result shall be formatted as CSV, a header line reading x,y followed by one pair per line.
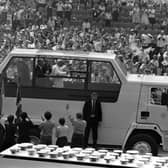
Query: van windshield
x,y
122,66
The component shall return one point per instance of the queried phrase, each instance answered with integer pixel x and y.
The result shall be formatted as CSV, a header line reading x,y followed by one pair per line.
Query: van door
x,y
156,110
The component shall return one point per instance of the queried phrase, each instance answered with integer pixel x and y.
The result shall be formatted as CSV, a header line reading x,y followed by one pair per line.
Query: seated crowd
x,y
50,25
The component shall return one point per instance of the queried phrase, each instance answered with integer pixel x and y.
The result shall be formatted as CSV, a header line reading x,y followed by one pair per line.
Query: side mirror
x,y
164,99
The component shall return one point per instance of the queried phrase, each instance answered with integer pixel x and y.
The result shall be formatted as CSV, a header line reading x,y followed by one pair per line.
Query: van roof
x,y
97,56
153,79
148,79
62,53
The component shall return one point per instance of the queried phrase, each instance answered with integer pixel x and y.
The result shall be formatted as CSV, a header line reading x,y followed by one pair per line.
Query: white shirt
x,y
57,82
60,6
42,1
161,40
62,131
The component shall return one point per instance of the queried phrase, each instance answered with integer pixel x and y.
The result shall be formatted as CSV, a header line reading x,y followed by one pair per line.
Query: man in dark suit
x,y
39,69
92,114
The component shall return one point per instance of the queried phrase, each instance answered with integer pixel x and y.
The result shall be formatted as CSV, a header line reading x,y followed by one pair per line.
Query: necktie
x,y
93,106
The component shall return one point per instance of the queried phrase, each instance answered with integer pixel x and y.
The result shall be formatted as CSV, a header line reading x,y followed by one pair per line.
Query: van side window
x,y
103,76
60,73
104,80
19,68
159,96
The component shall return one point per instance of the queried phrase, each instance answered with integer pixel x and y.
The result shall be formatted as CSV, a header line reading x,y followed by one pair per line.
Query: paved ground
x,y
163,153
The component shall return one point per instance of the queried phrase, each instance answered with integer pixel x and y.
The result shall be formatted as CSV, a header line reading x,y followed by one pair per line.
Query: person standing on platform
x,y
79,126
46,129
61,132
92,113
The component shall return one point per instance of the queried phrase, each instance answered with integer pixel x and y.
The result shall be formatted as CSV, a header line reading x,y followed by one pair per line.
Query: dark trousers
x,y
62,141
9,141
91,125
77,140
2,137
46,140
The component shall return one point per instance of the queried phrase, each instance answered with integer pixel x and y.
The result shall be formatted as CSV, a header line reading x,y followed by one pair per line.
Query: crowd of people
x,y
138,51
142,51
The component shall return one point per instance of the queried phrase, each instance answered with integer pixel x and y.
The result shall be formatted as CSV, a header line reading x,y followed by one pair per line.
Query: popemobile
x,y
134,107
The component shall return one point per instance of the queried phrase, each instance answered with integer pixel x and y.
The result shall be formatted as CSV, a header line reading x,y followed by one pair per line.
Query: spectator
x,y
144,17
107,18
165,63
84,2
60,9
24,126
151,14
41,4
11,130
49,9
161,42
102,8
155,65
164,24
79,126
46,129
136,14
96,14
115,12
68,10
2,134
51,23
86,25
61,132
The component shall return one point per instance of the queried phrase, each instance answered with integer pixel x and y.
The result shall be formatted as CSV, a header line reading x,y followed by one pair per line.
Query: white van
x,y
135,107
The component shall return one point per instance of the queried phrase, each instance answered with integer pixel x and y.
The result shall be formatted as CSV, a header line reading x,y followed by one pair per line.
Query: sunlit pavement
x,y
163,153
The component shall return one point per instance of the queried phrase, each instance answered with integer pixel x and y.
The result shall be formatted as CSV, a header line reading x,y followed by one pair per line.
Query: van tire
x,y
142,139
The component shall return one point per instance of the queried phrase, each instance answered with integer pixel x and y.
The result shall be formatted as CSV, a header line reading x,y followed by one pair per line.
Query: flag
x,y
18,96
18,99
2,96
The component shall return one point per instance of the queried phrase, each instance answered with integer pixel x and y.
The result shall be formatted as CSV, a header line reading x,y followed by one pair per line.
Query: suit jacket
x,y
87,110
39,71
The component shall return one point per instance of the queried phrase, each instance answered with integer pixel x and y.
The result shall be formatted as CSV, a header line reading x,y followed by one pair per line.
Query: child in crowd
x,y
11,129
79,126
61,132
46,129
24,126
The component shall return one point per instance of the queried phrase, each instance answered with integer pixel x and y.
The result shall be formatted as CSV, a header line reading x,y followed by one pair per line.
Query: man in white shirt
x,y
161,41
58,70
146,40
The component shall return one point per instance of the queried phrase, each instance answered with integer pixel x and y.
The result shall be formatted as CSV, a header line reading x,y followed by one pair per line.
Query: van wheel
x,y
35,140
142,143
